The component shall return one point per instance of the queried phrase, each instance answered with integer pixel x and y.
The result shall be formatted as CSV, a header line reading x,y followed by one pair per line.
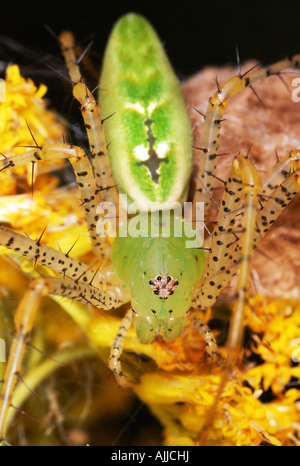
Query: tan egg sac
x,y
261,123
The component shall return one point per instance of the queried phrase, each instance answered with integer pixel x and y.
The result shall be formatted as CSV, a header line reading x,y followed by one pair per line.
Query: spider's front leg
x,y
213,121
93,122
90,195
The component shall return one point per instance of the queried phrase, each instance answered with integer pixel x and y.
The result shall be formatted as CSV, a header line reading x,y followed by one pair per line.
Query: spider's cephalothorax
x,y
163,286
137,261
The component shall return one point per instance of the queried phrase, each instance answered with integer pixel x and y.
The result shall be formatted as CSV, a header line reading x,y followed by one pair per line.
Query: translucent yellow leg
x,y
214,117
221,247
45,255
117,348
93,122
247,176
279,188
90,195
206,334
24,321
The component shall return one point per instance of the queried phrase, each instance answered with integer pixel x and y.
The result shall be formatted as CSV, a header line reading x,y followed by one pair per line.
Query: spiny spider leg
x,y
284,181
205,332
214,117
244,179
247,177
45,255
93,122
90,195
117,349
217,274
278,189
212,280
80,288
61,263
282,169
24,318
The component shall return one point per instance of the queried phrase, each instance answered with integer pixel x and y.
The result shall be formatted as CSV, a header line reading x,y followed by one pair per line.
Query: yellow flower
x,y
245,415
23,112
278,322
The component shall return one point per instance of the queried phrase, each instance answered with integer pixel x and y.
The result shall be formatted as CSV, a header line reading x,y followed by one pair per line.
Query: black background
x,y
195,33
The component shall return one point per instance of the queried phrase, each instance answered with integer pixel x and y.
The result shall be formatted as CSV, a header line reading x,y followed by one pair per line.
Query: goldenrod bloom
x,y
23,112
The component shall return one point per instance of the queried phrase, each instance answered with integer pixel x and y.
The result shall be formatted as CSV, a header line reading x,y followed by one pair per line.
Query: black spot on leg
x,y
10,241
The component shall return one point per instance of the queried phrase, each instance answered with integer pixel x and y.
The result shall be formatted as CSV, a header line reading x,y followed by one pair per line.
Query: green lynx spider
x,y
143,145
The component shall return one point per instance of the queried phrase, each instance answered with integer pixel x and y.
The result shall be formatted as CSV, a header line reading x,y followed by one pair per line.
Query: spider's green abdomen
x,y
149,134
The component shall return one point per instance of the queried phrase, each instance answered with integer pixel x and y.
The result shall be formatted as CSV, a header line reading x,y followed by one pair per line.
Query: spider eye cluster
x,y
163,285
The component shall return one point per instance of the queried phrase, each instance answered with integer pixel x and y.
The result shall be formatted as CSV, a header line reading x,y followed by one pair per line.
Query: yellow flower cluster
x,y
23,115
182,387
260,405
23,112
278,325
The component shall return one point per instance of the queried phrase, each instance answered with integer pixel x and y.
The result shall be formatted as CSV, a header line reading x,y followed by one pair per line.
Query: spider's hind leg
x,y
279,188
243,179
24,318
